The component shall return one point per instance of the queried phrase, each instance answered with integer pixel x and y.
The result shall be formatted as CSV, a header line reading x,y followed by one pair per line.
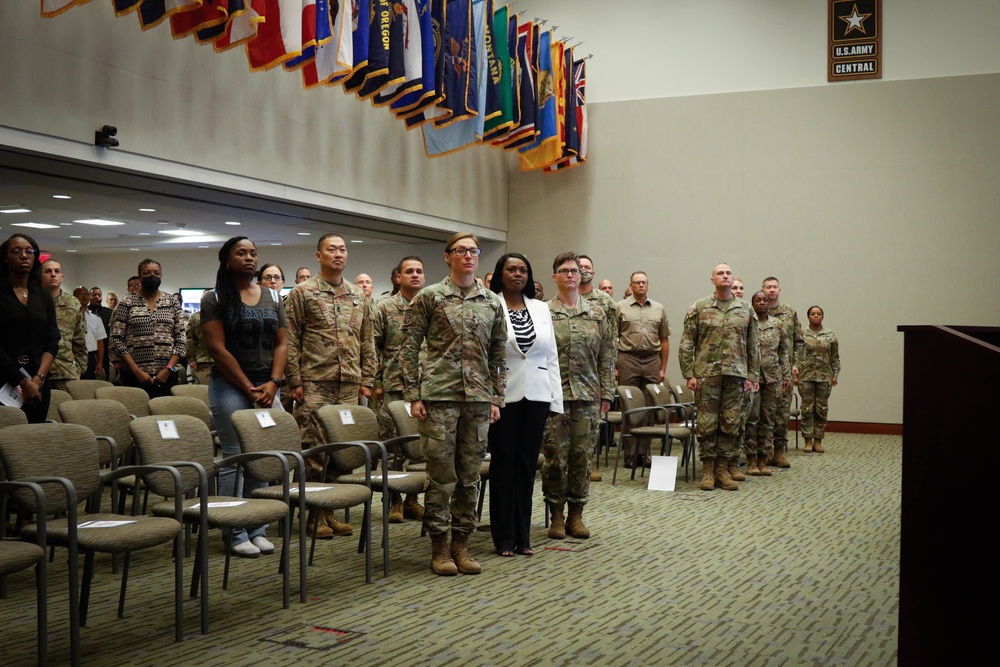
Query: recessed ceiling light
x,y
147,210
65,224
99,222
76,237
275,244
234,223
203,246
144,234
356,241
34,225
15,210
181,232
61,197
304,233
70,250
135,248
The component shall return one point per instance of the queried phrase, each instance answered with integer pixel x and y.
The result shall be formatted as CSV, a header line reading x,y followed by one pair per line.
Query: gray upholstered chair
x,y
186,405
135,400
109,421
356,423
199,391
58,398
84,389
63,459
192,453
312,496
410,451
682,429
10,416
634,416
17,555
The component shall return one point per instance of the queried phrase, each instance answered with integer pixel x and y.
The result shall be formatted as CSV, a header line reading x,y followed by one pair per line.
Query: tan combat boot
x,y
412,509
318,526
441,561
734,471
574,522
464,561
396,509
818,446
762,467
557,529
809,445
595,476
707,475
338,527
752,468
722,478
779,458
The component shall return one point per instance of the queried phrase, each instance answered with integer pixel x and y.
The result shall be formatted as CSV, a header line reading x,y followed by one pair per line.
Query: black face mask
x,y
150,284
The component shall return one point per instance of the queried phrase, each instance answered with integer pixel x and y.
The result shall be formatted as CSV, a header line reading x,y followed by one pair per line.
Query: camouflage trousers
x,y
759,437
454,439
718,401
781,414
316,395
746,409
815,407
569,440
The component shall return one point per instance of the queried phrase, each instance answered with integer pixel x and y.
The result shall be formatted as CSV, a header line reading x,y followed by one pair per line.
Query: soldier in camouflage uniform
x,y
71,359
819,365
331,350
610,306
719,356
199,360
775,377
789,321
456,394
387,327
587,343
746,406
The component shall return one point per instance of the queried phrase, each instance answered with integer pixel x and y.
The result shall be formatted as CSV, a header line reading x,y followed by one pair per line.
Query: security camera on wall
x,y
105,137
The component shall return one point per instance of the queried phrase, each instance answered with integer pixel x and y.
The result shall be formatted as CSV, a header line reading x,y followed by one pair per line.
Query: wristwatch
x,y
279,383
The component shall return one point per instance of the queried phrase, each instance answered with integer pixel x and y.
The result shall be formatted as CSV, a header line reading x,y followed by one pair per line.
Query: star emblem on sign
x,y
855,21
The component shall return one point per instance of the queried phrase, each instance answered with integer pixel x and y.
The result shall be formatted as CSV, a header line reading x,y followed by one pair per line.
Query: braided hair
x,y
228,296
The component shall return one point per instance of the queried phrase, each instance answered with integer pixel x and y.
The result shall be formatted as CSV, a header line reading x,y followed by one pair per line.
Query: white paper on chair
x,y
11,396
226,503
103,524
628,393
346,418
663,473
396,476
168,429
656,388
407,405
318,488
679,392
265,419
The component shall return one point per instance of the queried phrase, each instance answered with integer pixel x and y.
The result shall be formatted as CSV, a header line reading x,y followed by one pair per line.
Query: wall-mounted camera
x,y
105,137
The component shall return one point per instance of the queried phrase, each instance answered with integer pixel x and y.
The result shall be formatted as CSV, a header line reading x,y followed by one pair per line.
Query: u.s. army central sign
x,y
855,45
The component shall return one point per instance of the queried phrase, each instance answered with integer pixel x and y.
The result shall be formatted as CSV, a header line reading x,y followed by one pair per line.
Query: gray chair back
x,y
193,444
631,398
332,418
406,424
283,436
58,398
181,405
51,450
83,389
199,391
104,418
135,400
11,416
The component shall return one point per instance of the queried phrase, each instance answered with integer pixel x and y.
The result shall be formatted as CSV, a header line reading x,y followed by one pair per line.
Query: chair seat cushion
x,y
680,432
647,431
252,512
400,482
16,556
144,531
613,417
331,496
415,467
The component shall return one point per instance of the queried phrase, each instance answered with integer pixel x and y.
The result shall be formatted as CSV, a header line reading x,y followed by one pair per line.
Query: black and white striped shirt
x,y
524,330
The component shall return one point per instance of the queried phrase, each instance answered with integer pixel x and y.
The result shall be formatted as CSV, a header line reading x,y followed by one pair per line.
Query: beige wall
x,y
879,202
182,103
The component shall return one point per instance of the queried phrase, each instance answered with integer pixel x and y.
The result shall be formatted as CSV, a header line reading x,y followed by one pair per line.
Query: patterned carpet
x,y
797,569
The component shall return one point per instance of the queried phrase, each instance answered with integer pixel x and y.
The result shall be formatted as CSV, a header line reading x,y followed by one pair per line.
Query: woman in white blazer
x,y
534,389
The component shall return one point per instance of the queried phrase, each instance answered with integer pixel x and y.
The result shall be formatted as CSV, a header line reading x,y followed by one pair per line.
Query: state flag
x,y
406,53
279,36
385,50
238,30
51,8
317,29
411,107
335,58
580,107
210,14
153,12
499,124
547,147
459,96
525,132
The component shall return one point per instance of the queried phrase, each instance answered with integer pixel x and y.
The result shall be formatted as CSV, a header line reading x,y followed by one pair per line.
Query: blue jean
x,y
225,399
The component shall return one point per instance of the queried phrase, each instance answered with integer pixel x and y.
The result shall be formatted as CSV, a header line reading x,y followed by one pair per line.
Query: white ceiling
x,y
31,181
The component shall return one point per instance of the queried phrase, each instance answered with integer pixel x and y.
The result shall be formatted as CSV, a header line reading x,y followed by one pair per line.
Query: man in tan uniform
x,y
331,350
71,360
643,346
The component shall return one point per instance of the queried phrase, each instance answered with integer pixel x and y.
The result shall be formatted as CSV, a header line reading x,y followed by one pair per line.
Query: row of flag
x,y
463,71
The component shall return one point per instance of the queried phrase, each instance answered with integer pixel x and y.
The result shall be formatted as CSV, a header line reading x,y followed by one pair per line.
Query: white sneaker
x,y
263,545
246,550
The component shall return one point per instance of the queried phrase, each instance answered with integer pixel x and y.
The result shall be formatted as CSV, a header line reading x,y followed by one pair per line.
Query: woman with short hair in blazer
x,y
534,389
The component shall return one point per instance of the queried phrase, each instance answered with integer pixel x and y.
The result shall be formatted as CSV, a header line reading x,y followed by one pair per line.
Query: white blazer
x,y
535,375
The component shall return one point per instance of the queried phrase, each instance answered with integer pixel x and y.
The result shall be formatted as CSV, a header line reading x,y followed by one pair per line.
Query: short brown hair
x,y
458,236
564,257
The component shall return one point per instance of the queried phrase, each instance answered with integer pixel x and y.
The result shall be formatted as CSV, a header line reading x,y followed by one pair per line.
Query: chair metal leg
x,y
386,496
88,576
618,452
178,589
302,556
368,541
121,593
74,603
228,541
286,566
42,584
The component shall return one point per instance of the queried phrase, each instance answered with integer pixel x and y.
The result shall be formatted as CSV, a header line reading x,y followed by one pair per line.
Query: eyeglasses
x,y
465,252
19,252
568,272
274,278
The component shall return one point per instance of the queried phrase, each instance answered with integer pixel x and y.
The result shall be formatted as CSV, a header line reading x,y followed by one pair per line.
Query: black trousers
x,y
154,391
514,442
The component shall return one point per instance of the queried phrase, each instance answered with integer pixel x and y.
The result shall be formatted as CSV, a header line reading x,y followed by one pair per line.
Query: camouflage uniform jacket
x,y
329,334
775,360
387,328
793,329
588,345
720,338
610,306
819,358
197,348
464,338
71,360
